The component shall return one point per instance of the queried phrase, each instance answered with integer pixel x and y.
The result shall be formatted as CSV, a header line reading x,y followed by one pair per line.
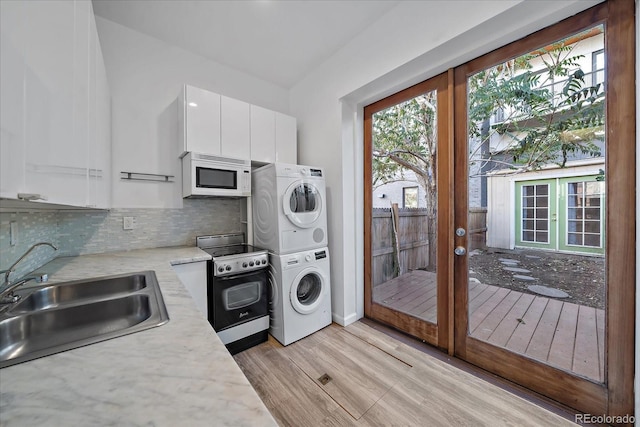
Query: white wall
x,y
145,76
412,42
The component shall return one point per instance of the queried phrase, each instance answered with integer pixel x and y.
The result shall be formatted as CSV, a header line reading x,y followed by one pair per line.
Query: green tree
x,y
405,138
548,114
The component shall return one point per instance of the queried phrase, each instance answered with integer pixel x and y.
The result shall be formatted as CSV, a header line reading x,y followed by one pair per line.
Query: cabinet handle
x,y
31,196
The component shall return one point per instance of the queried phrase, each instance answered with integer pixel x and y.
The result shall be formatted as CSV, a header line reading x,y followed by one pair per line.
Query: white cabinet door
x,y
235,128
12,137
56,100
286,139
199,121
49,73
100,131
194,277
263,135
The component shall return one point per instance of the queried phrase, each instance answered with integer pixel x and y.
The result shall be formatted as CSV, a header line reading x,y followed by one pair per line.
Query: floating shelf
x,y
137,176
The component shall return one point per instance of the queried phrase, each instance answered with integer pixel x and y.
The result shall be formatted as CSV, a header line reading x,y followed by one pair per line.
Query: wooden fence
x,y
413,239
477,228
413,236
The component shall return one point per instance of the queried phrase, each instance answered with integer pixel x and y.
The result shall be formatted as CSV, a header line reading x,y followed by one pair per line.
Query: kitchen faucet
x,y
6,295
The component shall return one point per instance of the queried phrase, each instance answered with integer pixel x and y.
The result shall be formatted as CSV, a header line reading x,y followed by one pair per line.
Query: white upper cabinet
x,y
286,139
12,102
235,128
217,125
49,73
273,137
263,135
199,121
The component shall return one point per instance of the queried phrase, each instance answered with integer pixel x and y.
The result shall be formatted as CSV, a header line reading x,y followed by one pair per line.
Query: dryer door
x,y
307,291
302,204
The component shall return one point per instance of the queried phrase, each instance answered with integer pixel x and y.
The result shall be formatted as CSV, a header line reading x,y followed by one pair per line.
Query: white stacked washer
x,y
300,301
290,220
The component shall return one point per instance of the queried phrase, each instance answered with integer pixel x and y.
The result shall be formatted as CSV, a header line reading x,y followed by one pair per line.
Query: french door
x,y
533,164
408,142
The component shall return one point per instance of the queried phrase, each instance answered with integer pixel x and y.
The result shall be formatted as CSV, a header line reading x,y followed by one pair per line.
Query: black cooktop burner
x,y
221,251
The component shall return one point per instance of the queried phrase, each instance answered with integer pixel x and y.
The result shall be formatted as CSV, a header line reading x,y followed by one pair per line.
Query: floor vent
x,y
324,379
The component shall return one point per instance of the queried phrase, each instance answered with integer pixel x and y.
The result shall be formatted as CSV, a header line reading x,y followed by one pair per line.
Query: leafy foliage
x,y
549,114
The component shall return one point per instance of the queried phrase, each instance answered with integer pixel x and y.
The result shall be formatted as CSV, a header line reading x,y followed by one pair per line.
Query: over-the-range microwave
x,y
207,175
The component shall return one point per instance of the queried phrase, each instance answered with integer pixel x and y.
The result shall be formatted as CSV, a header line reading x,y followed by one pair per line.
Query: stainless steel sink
x,y
74,292
54,318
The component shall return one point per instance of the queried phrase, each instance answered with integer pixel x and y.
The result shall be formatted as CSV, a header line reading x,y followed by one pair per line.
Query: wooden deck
x,y
562,334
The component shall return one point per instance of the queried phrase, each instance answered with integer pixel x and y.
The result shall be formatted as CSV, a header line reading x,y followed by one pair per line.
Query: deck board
x,y
564,335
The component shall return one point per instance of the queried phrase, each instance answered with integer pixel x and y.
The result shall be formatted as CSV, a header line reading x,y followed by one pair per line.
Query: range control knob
x,y
220,269
250,263
244,265
264,261
228,268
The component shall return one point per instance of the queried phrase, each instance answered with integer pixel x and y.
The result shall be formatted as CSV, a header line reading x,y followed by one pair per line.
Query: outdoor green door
x,y
582,211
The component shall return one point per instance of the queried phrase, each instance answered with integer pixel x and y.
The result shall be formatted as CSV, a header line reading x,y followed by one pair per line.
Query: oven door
x,y
236,299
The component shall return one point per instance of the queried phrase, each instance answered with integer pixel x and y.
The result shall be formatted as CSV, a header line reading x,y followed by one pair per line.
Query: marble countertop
x,y
176,374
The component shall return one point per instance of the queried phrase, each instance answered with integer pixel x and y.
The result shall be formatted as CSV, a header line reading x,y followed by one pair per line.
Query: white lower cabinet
x,y
194,277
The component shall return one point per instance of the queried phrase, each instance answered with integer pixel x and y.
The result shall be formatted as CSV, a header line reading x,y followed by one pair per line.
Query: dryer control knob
x,y
308,258
304,171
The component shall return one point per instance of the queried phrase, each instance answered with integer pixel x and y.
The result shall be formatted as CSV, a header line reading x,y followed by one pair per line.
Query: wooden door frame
x,y
441,334
615,396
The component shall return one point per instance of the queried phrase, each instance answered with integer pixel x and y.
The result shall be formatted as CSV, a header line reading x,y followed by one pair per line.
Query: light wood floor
x,y
562,334
376,380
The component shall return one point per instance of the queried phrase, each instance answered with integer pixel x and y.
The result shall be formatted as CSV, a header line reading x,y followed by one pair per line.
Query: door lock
x,y
460,250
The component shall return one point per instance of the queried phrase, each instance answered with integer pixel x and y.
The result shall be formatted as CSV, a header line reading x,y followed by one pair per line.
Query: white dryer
x,y
300,300
289,208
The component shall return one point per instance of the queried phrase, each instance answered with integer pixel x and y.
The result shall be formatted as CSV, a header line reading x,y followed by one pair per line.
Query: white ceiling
x,y
279,41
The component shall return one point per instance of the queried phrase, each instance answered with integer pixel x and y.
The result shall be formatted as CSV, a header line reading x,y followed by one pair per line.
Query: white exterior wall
x,y
500,225
413,41
145,76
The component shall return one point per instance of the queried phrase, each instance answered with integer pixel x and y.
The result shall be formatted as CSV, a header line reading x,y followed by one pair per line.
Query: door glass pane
x,y
303,199
536,281
404,222
309,289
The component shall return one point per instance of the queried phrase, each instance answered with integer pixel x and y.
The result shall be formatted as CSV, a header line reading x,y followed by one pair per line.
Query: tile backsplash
x,y
90,232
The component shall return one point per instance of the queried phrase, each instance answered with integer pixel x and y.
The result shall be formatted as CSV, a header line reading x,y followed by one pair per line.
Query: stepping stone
x,y
533,256
508,260
509,264
474,280
516,270
525,278
547,291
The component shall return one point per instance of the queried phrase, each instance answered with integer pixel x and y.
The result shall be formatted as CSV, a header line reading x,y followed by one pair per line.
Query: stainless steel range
x,y
237,299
